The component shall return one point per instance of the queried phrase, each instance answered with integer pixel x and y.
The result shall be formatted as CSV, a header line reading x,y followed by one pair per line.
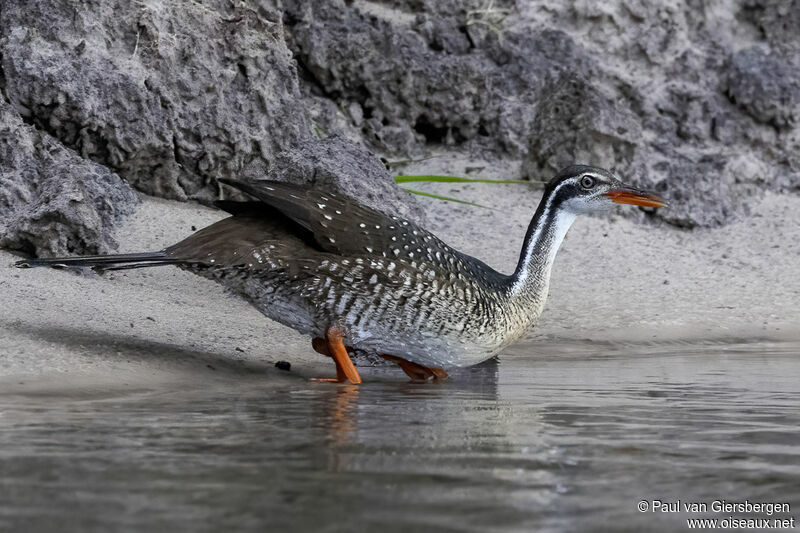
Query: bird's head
x,y
582,189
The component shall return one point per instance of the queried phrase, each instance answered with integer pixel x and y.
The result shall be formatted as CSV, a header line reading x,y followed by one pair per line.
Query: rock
x,y
52,201
168,95
707,192
576,122
700,101
775,21
651,90
422,80
766,88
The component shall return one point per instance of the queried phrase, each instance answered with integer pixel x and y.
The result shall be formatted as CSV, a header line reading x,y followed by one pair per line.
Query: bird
x,y
355,278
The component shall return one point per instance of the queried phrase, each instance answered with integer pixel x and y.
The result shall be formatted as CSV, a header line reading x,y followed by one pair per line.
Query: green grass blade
x,y
445,198
453,179
402,162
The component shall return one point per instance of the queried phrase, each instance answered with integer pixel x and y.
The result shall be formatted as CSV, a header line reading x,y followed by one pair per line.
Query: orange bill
x,y
630,195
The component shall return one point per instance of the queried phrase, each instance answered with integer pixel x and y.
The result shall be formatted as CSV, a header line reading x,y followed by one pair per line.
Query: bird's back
x,y
309,258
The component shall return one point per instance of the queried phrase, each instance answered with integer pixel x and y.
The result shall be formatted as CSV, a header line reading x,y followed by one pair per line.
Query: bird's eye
x,y
587,182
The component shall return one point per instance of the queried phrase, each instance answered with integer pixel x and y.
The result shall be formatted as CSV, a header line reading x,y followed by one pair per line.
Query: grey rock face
x,y
673,96
169,96
575,121
776,21
766,88
408,80
697,101
52,201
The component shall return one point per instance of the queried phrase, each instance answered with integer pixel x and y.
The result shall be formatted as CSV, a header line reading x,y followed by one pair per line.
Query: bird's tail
x,y
102,262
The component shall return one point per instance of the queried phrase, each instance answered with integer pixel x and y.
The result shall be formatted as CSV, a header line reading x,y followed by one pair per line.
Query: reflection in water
x,y
343,409
341,415
568,440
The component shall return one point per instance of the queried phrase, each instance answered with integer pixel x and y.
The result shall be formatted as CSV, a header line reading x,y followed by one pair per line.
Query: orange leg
x,y
416,371
333,347
320,346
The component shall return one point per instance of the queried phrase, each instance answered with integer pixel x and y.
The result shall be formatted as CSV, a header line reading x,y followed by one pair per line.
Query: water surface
x,y
547,439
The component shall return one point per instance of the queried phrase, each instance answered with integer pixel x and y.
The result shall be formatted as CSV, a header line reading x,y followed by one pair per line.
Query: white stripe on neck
x,y
559,228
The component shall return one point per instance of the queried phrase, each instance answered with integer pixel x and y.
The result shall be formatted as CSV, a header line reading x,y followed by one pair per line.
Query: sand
x,y
615,280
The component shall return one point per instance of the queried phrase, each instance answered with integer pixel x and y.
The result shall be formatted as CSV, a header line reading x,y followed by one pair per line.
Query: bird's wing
x,y
343,226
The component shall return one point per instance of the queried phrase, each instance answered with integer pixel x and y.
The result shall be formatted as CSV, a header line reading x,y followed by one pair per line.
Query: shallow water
x,y
571,439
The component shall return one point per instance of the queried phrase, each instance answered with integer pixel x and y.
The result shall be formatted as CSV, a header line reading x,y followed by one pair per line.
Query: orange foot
x,y
416,371
333,347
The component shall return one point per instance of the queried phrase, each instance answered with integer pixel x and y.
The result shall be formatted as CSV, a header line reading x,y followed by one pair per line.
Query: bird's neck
x,y
546,232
